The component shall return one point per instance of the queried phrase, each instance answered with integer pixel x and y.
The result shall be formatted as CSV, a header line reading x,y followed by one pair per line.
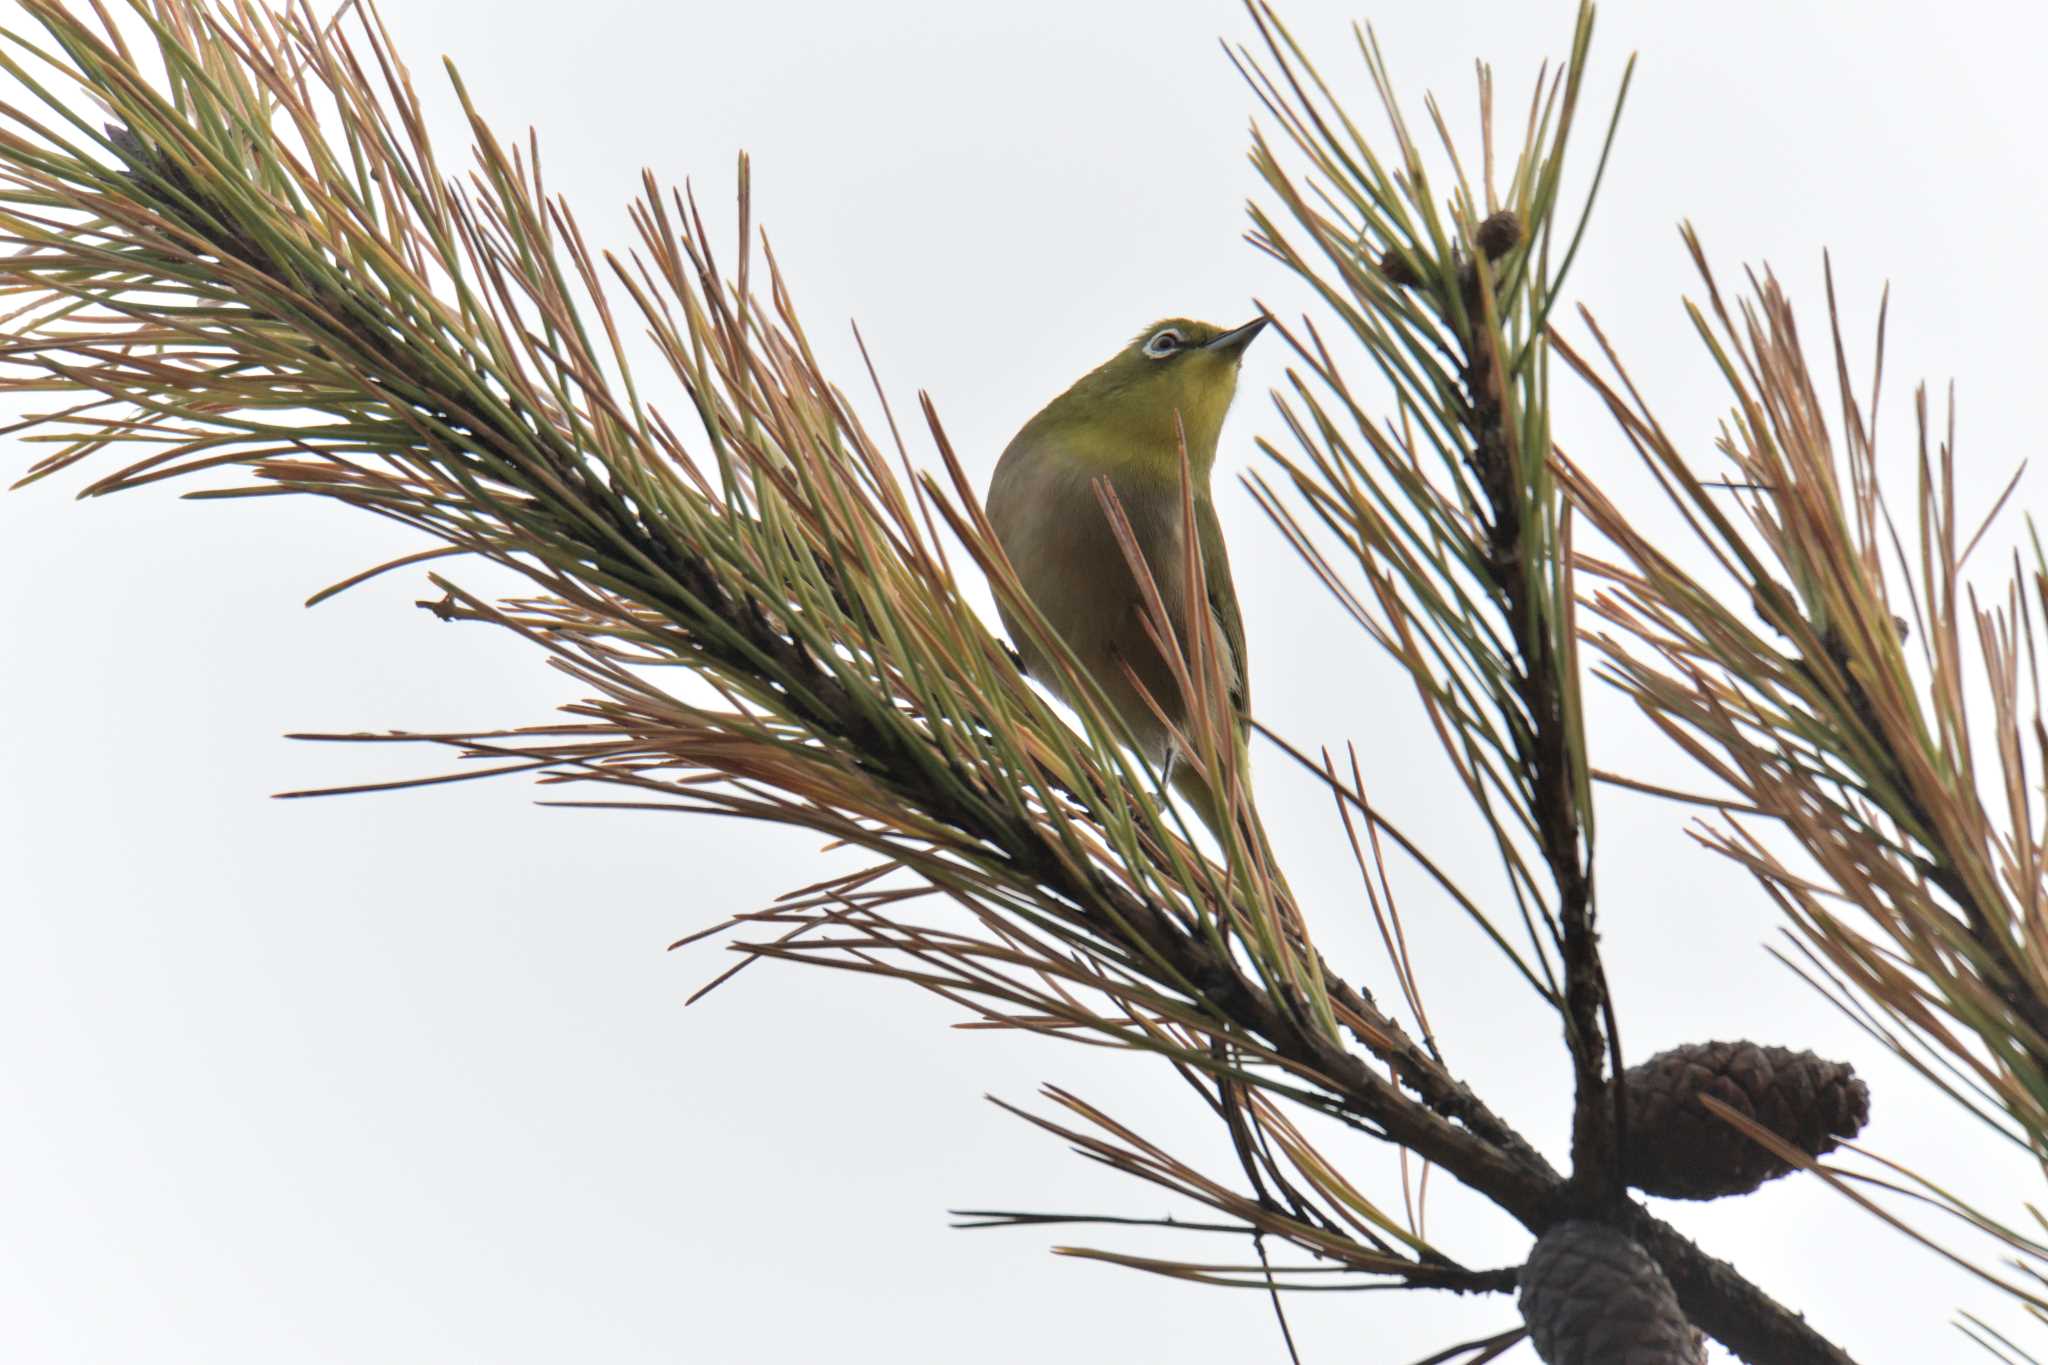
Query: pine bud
x,y
1679,1149
1593,1297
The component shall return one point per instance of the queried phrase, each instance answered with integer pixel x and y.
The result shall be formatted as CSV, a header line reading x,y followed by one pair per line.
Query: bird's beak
x,y
1236,339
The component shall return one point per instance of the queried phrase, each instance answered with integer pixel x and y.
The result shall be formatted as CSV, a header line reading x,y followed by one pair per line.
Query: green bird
x,y
1117,423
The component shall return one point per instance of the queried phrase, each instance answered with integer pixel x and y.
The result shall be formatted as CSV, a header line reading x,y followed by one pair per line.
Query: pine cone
x,y
1396,270
1593,1297
1498,235
1678,1149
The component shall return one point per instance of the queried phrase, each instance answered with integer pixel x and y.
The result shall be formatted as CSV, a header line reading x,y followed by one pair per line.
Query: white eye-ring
x,y
1164,343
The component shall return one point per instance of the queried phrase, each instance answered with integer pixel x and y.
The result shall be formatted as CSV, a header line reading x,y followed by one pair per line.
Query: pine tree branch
x,y
1550,754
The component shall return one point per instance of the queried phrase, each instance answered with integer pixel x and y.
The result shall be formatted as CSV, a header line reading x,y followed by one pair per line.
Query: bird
x,y
1118,423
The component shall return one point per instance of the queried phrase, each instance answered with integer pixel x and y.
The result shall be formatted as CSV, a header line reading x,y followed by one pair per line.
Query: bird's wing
x,y
1223,600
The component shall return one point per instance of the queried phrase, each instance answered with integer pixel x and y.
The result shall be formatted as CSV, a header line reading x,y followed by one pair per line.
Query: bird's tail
x,y
1195,791
1189,785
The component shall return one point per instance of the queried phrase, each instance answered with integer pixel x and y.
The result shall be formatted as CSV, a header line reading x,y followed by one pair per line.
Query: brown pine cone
x,y
1678,1149
1593,1297
1396,270
1498,235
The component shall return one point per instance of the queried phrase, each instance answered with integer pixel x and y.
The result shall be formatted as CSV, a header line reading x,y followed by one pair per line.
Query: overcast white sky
x,y
408,1078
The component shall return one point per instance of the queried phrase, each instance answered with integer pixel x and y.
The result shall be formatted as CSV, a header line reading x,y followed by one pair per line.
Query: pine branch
x,y
1465,301
1922,914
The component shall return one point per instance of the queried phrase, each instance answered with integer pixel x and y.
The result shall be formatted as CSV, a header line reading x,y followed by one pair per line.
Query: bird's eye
x,y
1163,344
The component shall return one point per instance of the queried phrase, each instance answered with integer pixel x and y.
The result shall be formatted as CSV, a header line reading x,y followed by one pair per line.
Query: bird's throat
x,y
1144,448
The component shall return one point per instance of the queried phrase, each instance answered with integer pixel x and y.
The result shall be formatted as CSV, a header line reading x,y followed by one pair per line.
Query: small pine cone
x,y
1396,270
1679,1149
1498,234
1593,1297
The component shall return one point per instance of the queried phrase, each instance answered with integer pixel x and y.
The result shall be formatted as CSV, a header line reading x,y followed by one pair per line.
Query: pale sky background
x,y
408,1078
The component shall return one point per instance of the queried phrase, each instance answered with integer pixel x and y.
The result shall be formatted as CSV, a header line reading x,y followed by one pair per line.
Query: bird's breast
x,y
1052,523
1054,526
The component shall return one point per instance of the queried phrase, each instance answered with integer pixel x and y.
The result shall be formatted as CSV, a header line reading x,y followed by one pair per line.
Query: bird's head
x,y
1122,411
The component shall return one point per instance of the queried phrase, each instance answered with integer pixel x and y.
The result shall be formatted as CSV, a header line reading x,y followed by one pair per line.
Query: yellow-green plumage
x,y
1117,423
